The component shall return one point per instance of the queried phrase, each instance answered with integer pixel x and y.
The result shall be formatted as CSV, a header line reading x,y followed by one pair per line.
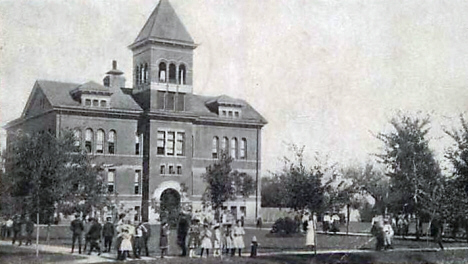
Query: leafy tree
x,y
302,186
45,172
224,184
414,173
457,186
272,192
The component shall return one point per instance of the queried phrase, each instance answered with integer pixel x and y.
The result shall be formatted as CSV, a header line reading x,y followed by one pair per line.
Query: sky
x,y
325,74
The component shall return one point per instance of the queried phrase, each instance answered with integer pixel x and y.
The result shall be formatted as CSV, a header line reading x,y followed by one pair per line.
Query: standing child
x,y
126,244
163,240
239,237
206,240
217,241
228,240
194,237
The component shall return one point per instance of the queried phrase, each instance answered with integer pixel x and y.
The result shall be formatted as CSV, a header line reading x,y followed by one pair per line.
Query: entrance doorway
x,y
170,206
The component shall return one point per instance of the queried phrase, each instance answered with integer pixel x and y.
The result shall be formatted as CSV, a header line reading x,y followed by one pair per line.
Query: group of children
x,y
222,239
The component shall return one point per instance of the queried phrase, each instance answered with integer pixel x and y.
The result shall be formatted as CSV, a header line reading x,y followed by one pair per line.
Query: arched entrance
x,y
170,206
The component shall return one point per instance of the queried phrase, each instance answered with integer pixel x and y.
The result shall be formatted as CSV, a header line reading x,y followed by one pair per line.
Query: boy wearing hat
x,y
76,226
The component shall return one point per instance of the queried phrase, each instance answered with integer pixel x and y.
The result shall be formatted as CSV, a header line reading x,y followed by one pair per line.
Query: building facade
x,y
157,137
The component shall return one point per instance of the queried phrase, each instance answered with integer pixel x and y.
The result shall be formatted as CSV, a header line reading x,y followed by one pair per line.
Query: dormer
x,y
226,107
92,95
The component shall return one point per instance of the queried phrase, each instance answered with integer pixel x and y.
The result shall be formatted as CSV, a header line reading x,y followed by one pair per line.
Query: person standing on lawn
x,y
311,227
326,222
438,232
16,229
94,236
239,237
76,227
182,231
146,236
125,243
206,243
108,234
194,237
87,226
388,234
377,231
29,227
164,239
138,241
218,244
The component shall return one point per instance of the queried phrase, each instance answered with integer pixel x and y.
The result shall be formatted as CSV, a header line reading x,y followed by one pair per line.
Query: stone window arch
x,y
100,141
162,72
182,74
172,73
89,140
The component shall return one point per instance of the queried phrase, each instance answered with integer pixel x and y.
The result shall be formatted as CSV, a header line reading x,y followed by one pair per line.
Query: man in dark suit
x,y
76,227
94,236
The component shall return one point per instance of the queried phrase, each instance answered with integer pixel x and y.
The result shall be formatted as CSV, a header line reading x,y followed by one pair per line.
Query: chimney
x,y
114,78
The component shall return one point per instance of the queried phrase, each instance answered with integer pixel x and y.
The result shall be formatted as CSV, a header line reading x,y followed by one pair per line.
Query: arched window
x,y
215,148
243,149
234,148
182,74
111,142
100,141
146,75
137,144
137,74
77,137
225,145
89,140
172,73
162,72
142,74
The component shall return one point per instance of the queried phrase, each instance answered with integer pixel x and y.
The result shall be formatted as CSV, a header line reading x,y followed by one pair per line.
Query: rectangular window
x,y
170,101
230,113
162,169
179,169
96,103
160,100
161,142
236,114
224,113
110,181
171,169
215,147
180,105
180,143
170,143
111,142
137,182
88,102
103,103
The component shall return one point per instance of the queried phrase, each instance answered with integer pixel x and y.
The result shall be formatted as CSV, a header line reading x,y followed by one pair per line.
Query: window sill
x,y
170,175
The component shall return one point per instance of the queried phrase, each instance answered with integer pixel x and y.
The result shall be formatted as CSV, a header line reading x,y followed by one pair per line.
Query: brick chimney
x,y
114,78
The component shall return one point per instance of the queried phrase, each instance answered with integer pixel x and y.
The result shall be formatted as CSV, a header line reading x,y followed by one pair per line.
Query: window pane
x,y
170,97
111,142
180,104
77,135
179,170
88,102
243,149
234,148
180,143
100,141
170,143
103,103
215,148
161,142
111,176
160,100
225,145
137,145
95,103
162,169
171,169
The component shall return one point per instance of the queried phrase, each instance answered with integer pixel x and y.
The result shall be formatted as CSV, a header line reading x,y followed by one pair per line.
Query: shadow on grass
x,y
23,255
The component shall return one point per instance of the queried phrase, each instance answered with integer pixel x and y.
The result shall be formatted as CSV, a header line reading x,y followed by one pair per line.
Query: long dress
x,y
163,240
206,239
239,237
126,244
310,238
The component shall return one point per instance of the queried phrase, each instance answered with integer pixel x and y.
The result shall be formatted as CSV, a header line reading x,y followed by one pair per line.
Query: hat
x,y
216,226
254,239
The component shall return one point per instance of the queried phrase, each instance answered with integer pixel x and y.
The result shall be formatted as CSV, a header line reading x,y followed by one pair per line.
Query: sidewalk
x,y
93,258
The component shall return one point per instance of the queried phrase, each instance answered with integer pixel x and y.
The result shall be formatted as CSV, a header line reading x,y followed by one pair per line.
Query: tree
x,y
302,186
414,173
272,192
45,172
223,184
457,155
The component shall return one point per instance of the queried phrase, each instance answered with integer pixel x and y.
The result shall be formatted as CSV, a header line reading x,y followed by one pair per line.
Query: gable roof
x,y
59,94
164,25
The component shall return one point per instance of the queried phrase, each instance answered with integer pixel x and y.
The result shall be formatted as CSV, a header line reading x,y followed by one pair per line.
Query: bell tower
x,y
163,54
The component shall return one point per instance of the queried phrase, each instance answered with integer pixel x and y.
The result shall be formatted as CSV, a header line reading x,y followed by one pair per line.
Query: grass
x,y
23,255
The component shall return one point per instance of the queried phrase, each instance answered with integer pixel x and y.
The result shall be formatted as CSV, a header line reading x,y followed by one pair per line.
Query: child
x,y
126,244
206,240
163,240
194,237
253,247
238,238
228,241
217,241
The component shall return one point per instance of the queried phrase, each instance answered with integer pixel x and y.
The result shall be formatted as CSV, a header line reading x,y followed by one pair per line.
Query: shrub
x,y
284,226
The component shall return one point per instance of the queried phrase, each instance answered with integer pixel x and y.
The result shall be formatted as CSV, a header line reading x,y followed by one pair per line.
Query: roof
x,y
92,87
58,94
164,25
225,100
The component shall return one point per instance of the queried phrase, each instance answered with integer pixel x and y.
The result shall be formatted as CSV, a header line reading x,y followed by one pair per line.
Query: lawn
x,y
23,255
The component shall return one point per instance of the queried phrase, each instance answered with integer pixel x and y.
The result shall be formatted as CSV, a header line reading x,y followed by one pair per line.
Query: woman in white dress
x,y
310,238
218,242
239,237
